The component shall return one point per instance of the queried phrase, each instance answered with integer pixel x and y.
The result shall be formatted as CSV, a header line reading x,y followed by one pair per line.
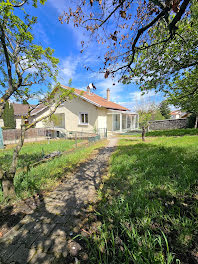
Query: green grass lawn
x,y
45,176
148,204
164,133
173,132
33,152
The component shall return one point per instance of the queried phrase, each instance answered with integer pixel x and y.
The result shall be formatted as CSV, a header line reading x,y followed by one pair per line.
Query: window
x,y
83,118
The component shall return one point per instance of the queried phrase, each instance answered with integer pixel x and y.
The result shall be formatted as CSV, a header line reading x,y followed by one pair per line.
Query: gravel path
x,y
45,236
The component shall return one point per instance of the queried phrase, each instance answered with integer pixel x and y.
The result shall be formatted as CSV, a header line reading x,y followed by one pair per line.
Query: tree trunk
x,y
8,187
143,133
8,177
196,121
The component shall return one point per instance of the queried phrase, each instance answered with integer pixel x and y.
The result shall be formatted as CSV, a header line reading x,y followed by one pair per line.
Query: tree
x,y
52,121
158,67
23,63
184,93
52,101
164,109
144,118
173,70
8,116
123,27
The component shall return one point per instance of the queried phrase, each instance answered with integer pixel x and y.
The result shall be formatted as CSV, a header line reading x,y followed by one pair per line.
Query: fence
x,y
11,136
1,139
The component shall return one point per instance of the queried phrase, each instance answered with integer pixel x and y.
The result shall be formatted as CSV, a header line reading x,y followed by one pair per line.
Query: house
x,y
19,111
176,114
86,112
89,112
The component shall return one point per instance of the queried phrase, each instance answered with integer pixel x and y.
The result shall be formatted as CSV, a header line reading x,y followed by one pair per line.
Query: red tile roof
x,y
97,100
175,112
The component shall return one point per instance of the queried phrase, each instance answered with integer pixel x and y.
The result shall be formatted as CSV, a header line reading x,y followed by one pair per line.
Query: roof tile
x,y
98,100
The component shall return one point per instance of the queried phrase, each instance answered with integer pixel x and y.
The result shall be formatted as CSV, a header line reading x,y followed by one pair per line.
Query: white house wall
x,y
72,112
18,122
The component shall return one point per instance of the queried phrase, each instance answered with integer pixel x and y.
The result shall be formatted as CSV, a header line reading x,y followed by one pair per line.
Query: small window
x,y
83,118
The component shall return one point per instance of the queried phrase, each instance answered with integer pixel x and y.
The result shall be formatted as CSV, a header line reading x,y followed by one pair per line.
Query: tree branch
x,y
20,4
104,21
143,29
44,117
11,88
172,26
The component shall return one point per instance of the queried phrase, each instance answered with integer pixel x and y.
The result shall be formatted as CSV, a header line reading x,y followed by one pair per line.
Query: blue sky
x,y
66,41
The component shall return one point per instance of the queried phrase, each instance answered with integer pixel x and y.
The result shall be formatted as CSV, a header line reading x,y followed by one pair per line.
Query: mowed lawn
x,y
148,204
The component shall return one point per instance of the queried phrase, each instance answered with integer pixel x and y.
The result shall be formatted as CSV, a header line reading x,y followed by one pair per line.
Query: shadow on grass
x,y
24,160
47,234
148,207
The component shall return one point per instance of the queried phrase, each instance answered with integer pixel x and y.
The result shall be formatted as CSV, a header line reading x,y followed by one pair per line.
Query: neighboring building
x,y
19,111
86,112
176,114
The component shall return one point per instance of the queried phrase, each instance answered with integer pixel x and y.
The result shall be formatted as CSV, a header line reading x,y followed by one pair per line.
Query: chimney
x,y
88,90
108,94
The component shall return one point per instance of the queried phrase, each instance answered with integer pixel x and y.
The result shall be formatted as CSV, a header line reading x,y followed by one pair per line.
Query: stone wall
x,y
168,124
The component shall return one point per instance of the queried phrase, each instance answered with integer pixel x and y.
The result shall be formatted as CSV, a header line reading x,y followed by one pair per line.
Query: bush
x,y
191,121
173,132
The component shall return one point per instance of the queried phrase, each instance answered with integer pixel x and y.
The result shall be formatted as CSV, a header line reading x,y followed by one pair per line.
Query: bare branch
x,y
121,3
20,4
90,19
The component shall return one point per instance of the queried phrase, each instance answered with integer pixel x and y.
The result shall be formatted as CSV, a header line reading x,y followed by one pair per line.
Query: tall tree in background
x,y
164,109
185,93
8,116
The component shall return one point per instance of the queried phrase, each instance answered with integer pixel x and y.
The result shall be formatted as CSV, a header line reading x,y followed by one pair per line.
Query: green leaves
x,y
23,62
171,67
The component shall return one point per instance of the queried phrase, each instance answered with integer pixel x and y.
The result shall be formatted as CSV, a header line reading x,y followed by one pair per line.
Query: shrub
x,y
172,132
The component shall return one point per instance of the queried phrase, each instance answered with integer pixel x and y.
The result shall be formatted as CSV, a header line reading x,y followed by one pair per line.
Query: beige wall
x,y
18,123
102,118
72,111
1,123
41,124
109,122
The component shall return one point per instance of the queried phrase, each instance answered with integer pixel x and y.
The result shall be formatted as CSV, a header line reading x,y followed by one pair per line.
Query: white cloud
x,y
60,5
69,67
115,88
137,96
